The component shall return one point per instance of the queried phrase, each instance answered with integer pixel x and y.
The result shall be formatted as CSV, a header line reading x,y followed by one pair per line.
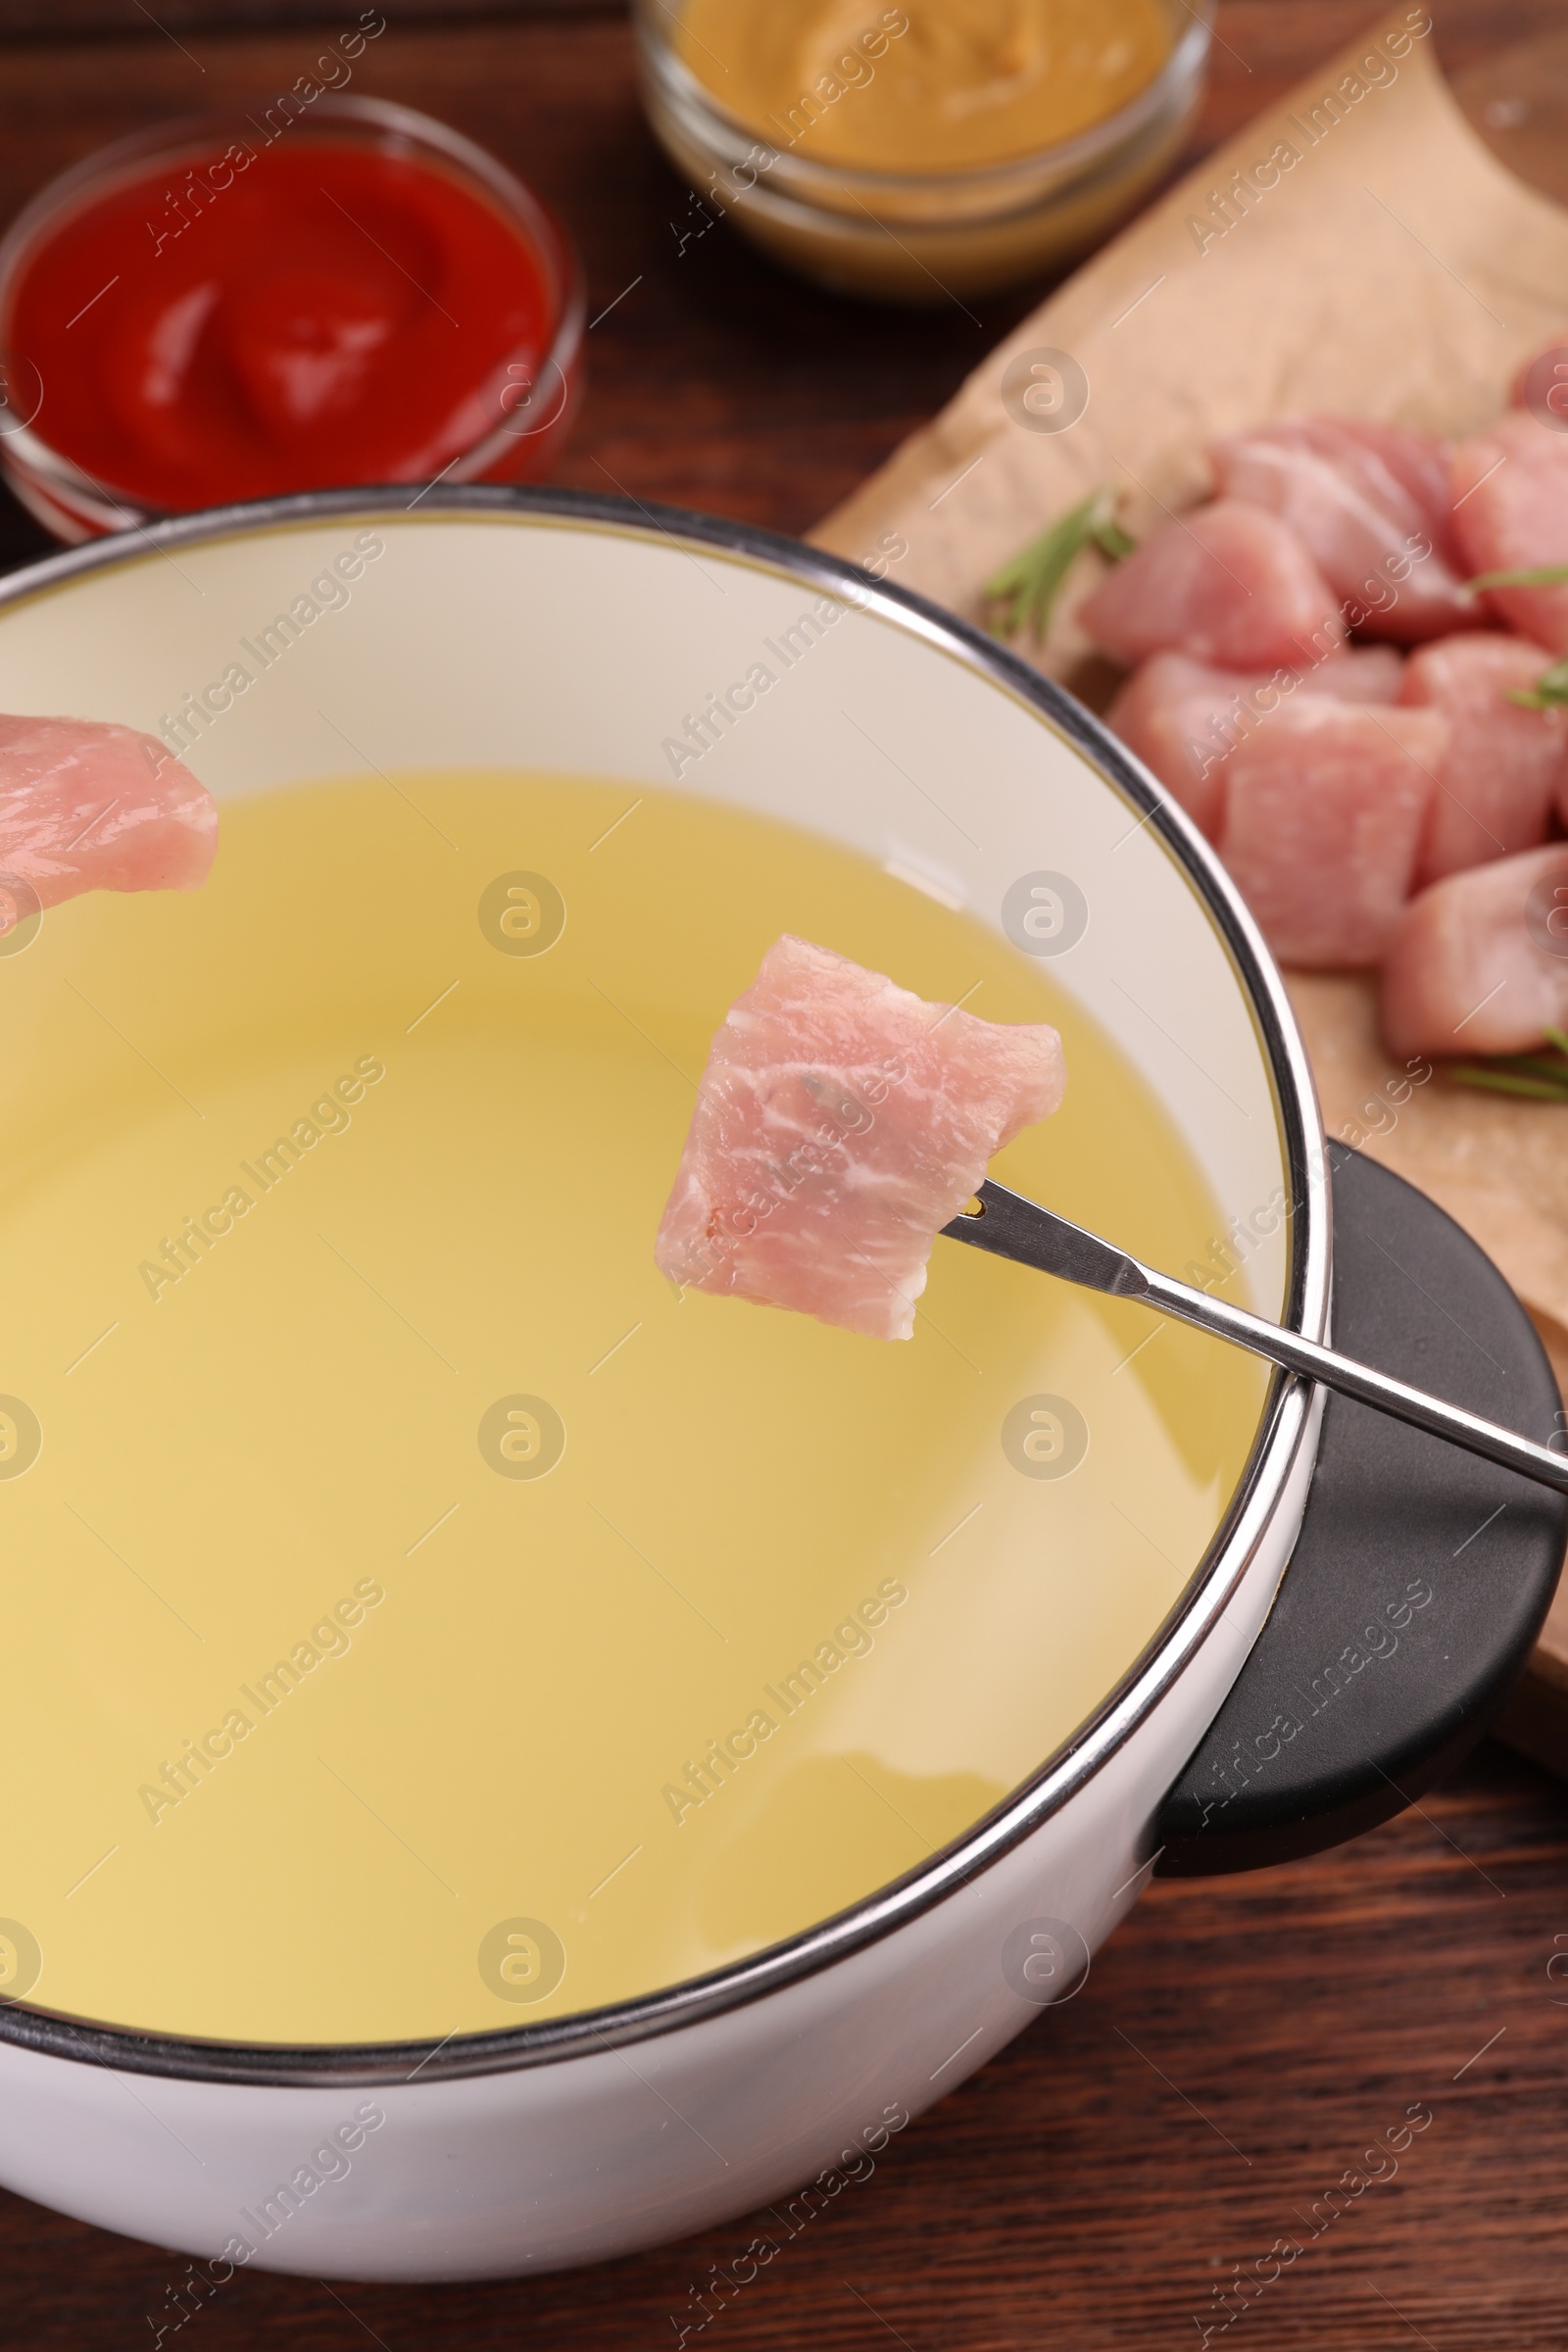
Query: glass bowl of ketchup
x,y
297,295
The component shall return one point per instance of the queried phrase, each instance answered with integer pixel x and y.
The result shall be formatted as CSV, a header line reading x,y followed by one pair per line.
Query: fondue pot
x,y
1364,1603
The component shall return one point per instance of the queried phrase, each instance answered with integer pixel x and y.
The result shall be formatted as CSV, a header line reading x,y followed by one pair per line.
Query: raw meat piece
x,y
1479,963
1324,811
87,806
1228,583
1364,500
1510,512
1419,464
1180,717
1362,673
1183,717
840,1123
1498,775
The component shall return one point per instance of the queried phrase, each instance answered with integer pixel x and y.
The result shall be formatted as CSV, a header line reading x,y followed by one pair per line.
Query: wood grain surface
x,y
1239,2044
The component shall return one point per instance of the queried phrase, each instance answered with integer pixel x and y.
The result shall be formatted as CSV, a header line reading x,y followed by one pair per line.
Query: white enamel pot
x,y
576,634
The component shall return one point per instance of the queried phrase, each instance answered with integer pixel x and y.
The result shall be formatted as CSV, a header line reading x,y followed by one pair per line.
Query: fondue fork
x,y
1009,1226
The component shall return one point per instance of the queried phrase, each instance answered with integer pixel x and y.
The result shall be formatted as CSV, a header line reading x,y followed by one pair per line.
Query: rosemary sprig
x,y
1022,595
1536,1077
1550,690
1538,575
1505,1082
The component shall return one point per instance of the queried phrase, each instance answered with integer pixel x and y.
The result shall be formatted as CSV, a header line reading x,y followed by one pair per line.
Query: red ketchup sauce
x,y
290,318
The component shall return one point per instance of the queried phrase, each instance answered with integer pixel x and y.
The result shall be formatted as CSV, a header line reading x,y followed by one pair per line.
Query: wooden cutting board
x,y
1322,296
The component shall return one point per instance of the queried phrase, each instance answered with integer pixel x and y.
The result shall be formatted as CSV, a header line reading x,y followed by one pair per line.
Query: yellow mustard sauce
x,y
944,85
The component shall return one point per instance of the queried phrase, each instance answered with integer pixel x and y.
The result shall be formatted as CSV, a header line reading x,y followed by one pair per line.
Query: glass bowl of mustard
x,y
953,147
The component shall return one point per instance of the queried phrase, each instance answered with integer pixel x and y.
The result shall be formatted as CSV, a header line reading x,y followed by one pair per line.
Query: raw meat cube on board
x,y
1370,504
1499,776
1479,962
1324,811
1228,584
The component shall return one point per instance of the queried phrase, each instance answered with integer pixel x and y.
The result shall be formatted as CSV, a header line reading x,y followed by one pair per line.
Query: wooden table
x,y
1241,2042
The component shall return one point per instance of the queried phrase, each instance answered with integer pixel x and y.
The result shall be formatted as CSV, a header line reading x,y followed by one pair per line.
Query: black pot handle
x,y
1421,1574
